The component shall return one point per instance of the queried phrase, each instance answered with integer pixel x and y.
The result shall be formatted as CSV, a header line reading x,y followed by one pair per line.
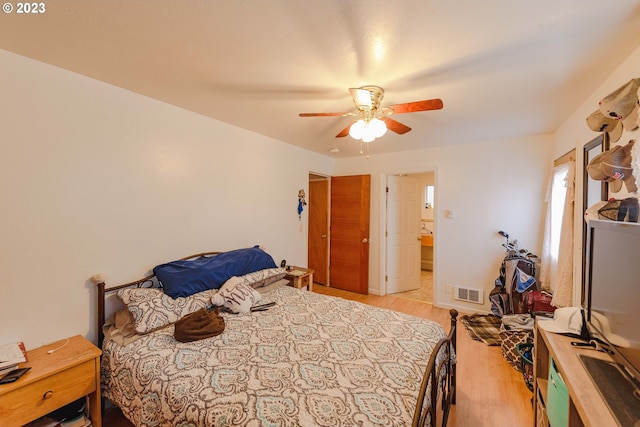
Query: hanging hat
x,y
638,118
592,211
620,103
599,123
594,168
631,121
635,160
616,164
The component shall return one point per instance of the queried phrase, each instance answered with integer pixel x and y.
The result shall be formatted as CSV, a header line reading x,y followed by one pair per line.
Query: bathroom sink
x,y
426,240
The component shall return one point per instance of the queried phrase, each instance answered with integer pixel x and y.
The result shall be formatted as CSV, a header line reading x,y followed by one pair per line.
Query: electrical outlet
x,y
448,289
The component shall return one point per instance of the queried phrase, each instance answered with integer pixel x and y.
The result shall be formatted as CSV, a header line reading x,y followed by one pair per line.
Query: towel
x,y
523,281
518,322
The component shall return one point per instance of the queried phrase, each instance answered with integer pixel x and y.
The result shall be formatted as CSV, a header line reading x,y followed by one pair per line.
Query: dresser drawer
x,y
47,394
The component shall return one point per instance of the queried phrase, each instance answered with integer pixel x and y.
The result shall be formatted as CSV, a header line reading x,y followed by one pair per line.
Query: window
x,y
556,205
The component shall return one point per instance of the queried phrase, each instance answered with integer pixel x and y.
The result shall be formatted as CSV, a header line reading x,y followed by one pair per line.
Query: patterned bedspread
x,y
311,360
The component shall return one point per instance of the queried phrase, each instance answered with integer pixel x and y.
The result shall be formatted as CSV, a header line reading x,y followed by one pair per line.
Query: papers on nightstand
x,y
296,272
11,355
80,421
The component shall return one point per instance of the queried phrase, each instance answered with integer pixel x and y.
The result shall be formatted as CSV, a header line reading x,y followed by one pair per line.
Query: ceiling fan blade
x,y
396,126
412,107
361,97
323,114
344,132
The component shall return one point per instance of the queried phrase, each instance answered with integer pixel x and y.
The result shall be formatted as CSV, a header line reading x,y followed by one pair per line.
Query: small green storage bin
x,y
557,398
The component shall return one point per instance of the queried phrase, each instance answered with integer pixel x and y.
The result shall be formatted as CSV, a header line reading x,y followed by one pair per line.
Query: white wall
x,y
96,179
491,186
574,133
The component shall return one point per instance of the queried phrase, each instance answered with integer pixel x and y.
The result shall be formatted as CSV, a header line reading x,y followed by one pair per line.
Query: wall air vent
x,y
468,294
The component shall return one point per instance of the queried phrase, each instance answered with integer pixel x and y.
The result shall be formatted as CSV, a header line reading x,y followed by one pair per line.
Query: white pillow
x,y
152,309
237,299
230,284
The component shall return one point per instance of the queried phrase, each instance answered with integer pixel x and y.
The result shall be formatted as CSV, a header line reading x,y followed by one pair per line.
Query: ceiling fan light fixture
x,y
357,129
373,119
378,127
362,98
368,130
368,138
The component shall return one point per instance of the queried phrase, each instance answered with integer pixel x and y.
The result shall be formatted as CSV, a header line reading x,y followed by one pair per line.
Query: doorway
x,y
424,219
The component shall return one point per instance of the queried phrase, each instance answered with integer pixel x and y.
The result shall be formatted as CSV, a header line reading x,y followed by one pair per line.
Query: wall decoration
x,y
301,203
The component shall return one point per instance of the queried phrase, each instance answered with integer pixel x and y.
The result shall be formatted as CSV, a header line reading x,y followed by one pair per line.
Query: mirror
x,y
592,192
428,197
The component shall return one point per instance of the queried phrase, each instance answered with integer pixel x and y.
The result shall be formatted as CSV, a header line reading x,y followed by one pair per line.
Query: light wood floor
x,y
490,392
424,292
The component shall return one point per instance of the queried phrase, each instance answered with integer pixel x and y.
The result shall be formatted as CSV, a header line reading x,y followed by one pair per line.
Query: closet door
x,y
349,236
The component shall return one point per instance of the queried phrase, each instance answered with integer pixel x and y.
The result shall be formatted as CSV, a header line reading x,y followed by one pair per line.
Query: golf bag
x,y
516,282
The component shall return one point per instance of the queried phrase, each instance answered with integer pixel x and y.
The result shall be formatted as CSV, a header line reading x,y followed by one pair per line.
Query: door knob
x,y
324,236
365,240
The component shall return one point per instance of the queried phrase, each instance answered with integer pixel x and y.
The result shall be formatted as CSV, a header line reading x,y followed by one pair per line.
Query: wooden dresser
x,y
586,407
55,379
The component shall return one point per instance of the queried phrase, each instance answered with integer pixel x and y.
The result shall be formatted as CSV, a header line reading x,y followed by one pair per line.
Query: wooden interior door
x,y
404,245
318,252
349,237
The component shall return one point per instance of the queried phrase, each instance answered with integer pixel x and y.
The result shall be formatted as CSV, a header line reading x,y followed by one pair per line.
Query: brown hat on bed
x,y
199,325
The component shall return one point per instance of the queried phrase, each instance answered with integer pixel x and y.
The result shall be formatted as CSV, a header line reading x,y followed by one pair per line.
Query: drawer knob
x,y
47,394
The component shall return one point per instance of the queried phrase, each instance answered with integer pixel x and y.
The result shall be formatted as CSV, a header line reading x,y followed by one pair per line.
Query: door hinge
x,y
386,278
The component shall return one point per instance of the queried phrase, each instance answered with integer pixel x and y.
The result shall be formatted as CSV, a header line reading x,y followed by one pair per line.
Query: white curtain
x,y
556,274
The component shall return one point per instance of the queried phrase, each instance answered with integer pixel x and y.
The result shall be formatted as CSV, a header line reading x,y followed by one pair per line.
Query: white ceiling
x,y
503,68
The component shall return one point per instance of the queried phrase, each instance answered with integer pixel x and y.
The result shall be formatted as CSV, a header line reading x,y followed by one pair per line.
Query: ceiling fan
x,y
373,119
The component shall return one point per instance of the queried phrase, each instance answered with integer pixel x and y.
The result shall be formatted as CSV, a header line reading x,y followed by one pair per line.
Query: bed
x,y
305,360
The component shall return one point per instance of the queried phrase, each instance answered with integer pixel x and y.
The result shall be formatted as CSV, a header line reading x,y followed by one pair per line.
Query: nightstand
x,y
300,277
55,379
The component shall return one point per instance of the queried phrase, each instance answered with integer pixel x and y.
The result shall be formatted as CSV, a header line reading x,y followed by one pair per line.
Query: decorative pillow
x,y
152,309
230,284
187,277
237,299
264,277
